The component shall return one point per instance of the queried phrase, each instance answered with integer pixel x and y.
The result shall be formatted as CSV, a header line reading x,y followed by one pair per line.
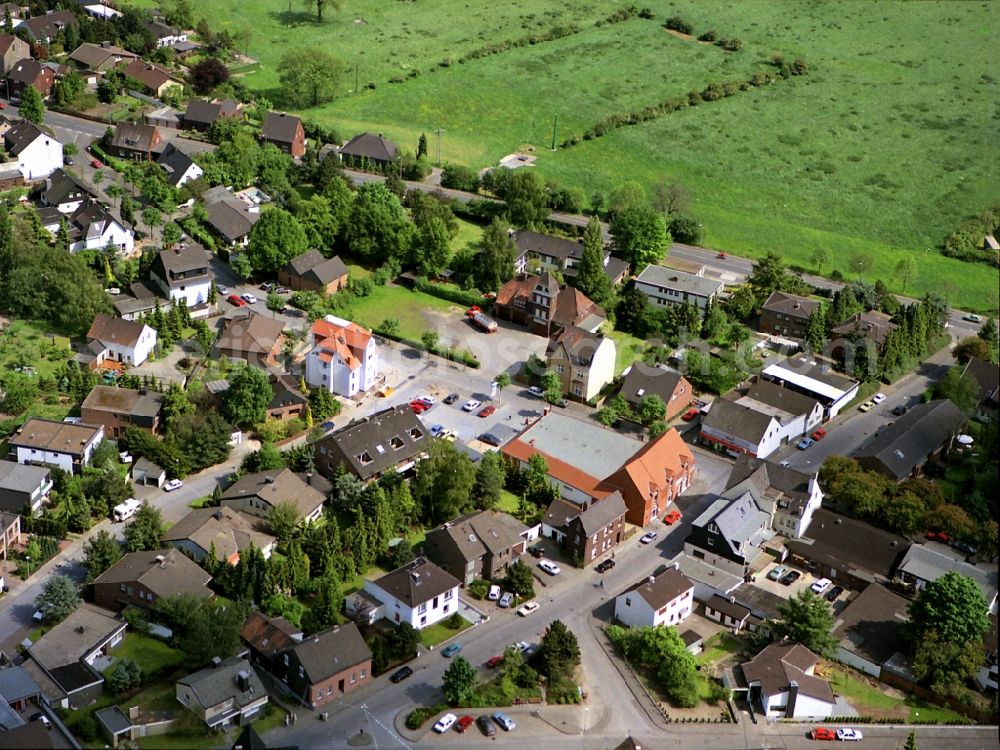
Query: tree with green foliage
x,y
526,199
962,391
274,302
559,651
520,580
323,404
953,606
430,340
274,240
282,520
32,107
246,401
816,329
640,236
820,257
309,77
202,438
651,409
443,486
662,650
279,605
377,229
100,553
767,276
143,532
502,381
552,385
265,458
213,629
911,741
125,674
808,619
591,278
459,682
490,475
326,607
59,597
971,347
495,264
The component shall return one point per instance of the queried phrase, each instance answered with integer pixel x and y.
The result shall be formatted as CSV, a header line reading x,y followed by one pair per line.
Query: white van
x,y
126,510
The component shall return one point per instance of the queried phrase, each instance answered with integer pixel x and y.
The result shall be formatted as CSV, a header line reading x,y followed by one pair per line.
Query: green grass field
x,y
395,302
150,654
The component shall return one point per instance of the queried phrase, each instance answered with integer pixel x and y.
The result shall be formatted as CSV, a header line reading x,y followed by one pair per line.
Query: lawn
x,y
867,698
405,305
628,349
509,502
440,632
468,233
26,344
151,654
718,647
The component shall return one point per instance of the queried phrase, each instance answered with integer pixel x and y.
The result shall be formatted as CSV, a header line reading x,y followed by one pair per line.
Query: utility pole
x,y
438,133
355,77
555,119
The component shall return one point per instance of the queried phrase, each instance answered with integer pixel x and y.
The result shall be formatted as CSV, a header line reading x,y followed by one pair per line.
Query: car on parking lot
x,y
282,290
429,400
776,572
785,464
68,161
648,537
537,550
605,565
400,674
964,547
173,484
805,444
437,430
485,724
494,661
419,407
833,593
486,411
451,649
444,723
451,398
524,647
250,299
266,286
790,577
471,405
96,163
464,723
973,318
818,587
672,517
846,734
818,434
550,567
898,411
823,733
237,300
527,608
867,406
536,391
878,398
494,593
223,290
690,414
938,536
504,721
490,439
506,600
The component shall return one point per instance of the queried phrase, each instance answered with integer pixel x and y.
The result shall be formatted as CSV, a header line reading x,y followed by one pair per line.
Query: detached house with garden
x,y
419,593
344,358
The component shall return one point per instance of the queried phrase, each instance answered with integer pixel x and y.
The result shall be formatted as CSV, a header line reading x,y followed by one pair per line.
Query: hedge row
x,y
452,355
556,32
458,296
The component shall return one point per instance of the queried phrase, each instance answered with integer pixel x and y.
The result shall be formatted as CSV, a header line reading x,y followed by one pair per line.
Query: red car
x,y
938,536
823,733
494,661
473,311
237,300
464,723
690,414
487,410
818,434
419,407
672,517
96,163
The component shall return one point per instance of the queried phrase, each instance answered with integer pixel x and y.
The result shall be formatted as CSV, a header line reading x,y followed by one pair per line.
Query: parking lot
x,y
805,581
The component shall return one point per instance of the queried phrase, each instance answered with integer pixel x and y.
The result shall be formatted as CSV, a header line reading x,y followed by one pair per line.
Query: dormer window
x,y
416,434
365,458
396,442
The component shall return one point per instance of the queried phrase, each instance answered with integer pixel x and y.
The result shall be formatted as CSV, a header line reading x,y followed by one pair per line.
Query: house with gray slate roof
x,y
369,149
390,440
789,495
665,287
324,667
224,694
23,485
477,545
312,272
737,428
780,682
900,450
419,593
663,599
729,534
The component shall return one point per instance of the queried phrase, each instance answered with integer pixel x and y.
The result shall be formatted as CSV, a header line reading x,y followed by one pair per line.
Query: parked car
x,y
419,407
486,411
973,318
485,724
282,290
832,594
506,600
805,444
504,721
437,430
223,290
527,608
672,517
648,537
846,734
444,723
776,572
96,164
823,733
237,300
267,286
464,723
494,661
785,464
451,398
536,391
429,400
867,406
690,414
250,299
400,674
790,577
490,439
524,647
451,649
818,587
818,434
550,567
473,311
494,593
878,398
964,547
536,550
68,161
471,405
605,565
173,484
898,411
938,536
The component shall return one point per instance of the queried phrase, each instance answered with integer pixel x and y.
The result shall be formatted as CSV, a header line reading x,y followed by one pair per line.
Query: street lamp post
x,y
27,559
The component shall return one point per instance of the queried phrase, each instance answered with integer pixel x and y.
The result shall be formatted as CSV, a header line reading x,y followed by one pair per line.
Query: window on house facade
x,y
422,608
628,602
448,594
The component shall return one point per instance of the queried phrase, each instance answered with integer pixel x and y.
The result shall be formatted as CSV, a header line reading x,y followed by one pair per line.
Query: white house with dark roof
x,y
901,449
729,534
925,563
789,495
180,167
23,486
816,379
419,593
224,694
255,494
49,443
666,287
797,413
664,599
64,192
780,682
183,275
126,341
38,153
737,428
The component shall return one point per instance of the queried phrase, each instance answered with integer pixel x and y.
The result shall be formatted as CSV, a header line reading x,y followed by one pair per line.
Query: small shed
x,y
148,474
115,724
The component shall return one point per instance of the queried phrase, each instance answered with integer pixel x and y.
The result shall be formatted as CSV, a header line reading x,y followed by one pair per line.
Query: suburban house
x,y
19,691
343,358
391,440
903,448
311,272
138,301
584,361
127,342
789,495
224,694
587,531
729,535
925,563
325,666
560,254
871,629
12,51
221,531
201,114
419,593
44,28
736,428
141,579
807,375
284,131
786,315
100,57
781,683
872,327
266,637
665,287
91,226
180,167
673,389
60,444
38,153
255,494
252,338
30,73
477,545
541,304
288,401
68,651
155,81
729,612
135,142
183,274
987,377
119,408
231,218
663,599
64,192
369,150
849,552
10,532
23,487
798,413
587,461
166,36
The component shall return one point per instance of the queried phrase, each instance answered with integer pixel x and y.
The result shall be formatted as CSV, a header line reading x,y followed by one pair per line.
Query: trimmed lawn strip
x,y
509,502
439,632
151,654
628,349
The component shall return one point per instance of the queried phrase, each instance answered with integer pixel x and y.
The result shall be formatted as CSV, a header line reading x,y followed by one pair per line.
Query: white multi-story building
x,y
38,153
45,442
127,341
665,286
343,358
419,593
666,599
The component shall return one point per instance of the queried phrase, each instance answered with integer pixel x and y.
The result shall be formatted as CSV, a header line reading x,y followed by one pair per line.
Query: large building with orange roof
x,y
589,462
343,358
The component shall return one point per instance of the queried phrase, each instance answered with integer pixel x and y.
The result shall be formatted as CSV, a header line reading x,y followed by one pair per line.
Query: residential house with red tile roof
x,y
540,303
344,357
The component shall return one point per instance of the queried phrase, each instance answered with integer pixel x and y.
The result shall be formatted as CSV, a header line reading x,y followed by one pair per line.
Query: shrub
x,y
676,23
418,716
709,36
479,588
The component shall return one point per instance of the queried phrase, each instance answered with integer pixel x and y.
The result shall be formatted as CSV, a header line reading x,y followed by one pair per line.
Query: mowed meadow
x,y
882,148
